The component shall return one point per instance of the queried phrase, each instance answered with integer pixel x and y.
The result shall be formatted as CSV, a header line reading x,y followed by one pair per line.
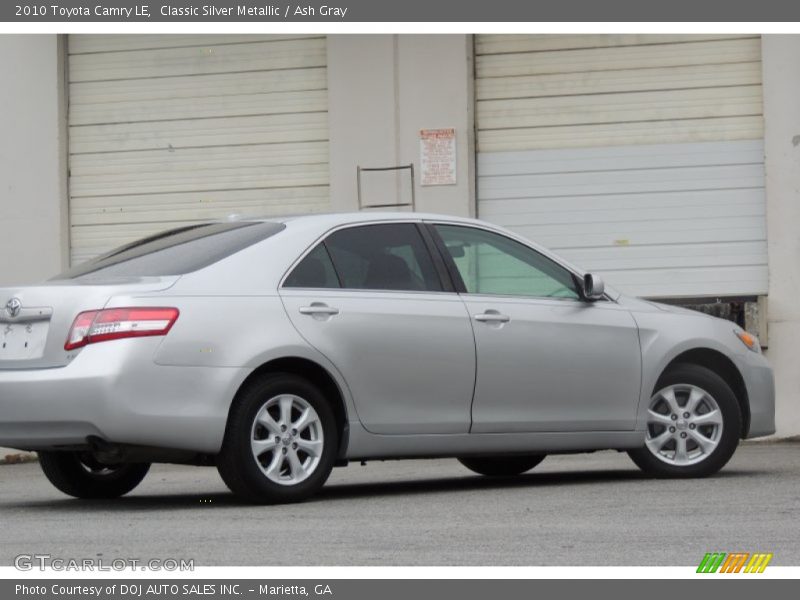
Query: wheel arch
x,y
316,374
719,363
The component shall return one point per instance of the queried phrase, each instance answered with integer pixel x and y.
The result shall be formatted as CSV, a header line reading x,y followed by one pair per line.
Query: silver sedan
x,y
278,349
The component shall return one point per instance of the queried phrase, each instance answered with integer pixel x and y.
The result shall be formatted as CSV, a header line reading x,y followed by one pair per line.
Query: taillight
x,y
95,326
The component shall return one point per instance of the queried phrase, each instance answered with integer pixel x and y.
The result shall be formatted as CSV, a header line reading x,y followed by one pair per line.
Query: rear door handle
x,y
319,309
492,316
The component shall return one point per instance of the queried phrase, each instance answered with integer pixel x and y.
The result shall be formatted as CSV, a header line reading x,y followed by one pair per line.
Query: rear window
x,y
176,252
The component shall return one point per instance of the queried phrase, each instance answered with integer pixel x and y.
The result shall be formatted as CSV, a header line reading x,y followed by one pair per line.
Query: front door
x,y
547,360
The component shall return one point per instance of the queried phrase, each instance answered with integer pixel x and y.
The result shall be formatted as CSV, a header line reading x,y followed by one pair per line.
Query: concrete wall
x,y
382,90
33,193
33,197
781,54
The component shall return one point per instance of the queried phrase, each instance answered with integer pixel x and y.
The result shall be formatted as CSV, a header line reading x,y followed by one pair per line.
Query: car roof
x,y
344,218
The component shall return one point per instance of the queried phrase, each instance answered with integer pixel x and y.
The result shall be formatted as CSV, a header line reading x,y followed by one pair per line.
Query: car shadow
x,y
473,483
478,483
347,491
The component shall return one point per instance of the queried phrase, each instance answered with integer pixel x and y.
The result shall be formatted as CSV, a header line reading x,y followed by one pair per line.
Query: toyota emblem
x,y
13,307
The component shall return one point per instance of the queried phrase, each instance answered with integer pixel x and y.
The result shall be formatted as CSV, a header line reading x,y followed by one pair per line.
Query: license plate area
x,y
23,341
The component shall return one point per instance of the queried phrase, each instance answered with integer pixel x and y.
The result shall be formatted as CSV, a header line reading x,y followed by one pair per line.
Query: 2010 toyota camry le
x,y
277,349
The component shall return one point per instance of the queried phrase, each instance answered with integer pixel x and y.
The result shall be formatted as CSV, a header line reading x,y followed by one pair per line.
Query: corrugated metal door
x,y
170,130
636,156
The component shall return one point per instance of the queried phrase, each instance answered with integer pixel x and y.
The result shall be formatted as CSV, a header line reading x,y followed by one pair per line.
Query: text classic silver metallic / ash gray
x,y
279,348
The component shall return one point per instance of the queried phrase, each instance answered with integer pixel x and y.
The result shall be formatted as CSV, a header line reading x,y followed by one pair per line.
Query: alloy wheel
x,y
287,439
684,425
95,468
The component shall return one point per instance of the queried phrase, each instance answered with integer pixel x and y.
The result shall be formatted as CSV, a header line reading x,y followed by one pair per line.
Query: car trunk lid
x,y
35,320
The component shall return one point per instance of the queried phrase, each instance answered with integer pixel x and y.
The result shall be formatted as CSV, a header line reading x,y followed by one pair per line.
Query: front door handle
x,y
319,309
492,316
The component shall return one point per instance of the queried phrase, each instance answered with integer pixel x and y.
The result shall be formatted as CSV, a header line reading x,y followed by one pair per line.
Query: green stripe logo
x,y
735,562
711,562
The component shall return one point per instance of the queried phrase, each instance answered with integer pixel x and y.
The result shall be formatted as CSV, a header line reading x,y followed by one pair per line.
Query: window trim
x,y
461,286
439,262
339,279
322,239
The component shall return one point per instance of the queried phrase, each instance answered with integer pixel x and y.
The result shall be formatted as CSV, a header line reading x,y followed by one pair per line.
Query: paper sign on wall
x,y
437,148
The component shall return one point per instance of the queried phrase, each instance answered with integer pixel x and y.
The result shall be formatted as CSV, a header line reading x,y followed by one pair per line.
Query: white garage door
x,y
166,130
636,156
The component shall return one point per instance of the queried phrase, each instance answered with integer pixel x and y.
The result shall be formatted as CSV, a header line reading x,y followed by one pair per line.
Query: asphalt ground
x,y
582,509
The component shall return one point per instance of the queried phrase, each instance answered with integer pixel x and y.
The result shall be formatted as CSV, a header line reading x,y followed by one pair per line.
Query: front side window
x,y
490,263
390,256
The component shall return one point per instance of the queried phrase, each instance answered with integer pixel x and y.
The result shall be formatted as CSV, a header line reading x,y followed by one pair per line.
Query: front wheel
x,y
693,424
281,441
501,466
78,474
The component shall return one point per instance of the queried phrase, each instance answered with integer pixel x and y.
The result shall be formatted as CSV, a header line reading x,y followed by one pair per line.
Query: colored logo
x,y
736,562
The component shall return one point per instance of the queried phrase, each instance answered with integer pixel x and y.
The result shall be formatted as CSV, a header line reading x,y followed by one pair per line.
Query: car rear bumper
x,y
115,391
760,383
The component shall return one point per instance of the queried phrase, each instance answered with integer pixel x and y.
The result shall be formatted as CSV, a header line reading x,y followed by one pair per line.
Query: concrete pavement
x,y
584,509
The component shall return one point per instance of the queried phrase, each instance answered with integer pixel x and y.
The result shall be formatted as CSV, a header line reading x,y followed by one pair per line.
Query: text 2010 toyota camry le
x,y
279,348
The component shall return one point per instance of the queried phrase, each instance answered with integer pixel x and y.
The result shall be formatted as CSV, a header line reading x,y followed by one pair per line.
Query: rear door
x,y
372,299
547,360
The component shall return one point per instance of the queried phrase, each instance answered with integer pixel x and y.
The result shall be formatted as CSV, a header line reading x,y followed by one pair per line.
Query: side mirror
x,y
593,287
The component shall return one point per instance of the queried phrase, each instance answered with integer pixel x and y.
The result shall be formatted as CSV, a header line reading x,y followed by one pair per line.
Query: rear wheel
x,y
281,441
501,466
78,474
693,424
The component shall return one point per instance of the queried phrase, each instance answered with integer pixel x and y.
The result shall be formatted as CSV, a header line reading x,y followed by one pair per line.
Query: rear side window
x,y
380,257
314,271
176,252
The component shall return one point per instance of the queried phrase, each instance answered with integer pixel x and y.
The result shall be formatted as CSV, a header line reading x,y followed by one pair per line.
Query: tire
x,y
710,433
261,451
78,474
501,466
